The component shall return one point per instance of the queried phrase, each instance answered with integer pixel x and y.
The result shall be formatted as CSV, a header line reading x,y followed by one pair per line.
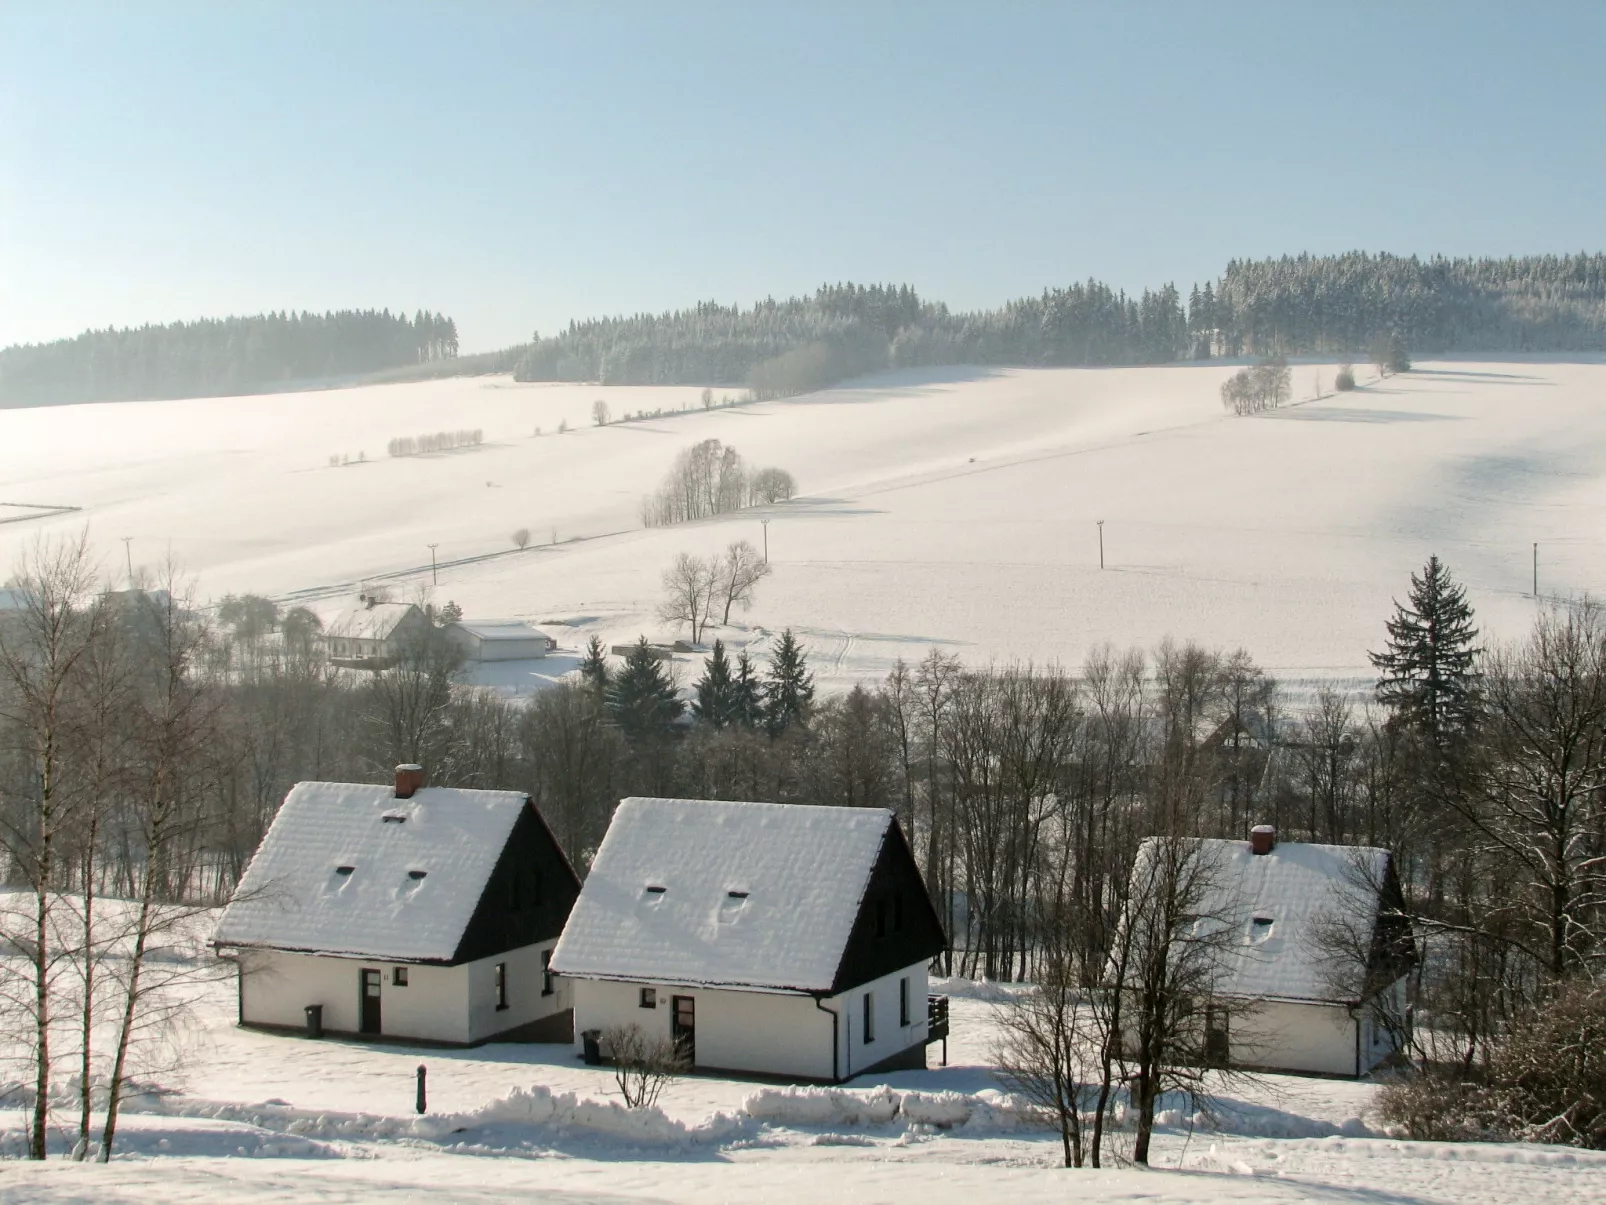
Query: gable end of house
x,y
896,924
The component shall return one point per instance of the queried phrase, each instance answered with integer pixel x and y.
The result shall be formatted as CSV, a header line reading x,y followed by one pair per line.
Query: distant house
x,y
372,634
762,938
499,640
412,912
1314,979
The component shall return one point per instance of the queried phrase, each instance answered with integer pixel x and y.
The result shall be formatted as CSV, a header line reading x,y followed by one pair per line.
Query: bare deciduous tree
x,y
1046,1048
600,414
48,638
689,588
739,573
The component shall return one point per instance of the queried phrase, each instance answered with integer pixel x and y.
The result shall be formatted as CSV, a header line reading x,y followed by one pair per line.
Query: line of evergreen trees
x,y
219,356
1300,305
641,701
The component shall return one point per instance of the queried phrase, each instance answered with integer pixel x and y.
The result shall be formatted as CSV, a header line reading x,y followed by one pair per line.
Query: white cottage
x,y
499,640
1315,979
372,634
763,938
426,913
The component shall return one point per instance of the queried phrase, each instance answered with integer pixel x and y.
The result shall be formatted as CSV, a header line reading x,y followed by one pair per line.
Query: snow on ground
x,y
946,508
256,1118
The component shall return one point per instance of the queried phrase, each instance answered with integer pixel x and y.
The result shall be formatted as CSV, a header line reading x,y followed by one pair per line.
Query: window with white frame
x,y
869,1017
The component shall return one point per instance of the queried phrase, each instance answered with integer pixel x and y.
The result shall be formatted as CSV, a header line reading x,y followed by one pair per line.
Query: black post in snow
x,y
1101,543
420,1104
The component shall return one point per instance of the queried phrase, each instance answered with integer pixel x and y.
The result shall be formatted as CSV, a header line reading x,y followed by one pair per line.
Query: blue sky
x,y
516,165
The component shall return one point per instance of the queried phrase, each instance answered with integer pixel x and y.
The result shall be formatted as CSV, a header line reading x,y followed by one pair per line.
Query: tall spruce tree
x,y
594,666
716,690
641,699
747,694
789,692
1427,675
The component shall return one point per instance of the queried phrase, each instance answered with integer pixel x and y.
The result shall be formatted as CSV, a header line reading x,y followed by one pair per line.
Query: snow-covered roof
x,y
338,872
369,622
757,895
1302,890
501,629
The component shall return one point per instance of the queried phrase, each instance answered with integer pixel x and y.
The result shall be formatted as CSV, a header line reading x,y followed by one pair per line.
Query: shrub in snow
x,y
642,1065
1345,380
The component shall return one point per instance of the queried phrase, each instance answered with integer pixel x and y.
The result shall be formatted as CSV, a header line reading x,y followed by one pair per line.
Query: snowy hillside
x,y
236,1116
953,508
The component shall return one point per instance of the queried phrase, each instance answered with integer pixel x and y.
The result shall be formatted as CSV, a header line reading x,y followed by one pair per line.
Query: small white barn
x,y
425,913
499,640
762,938
371,634
1315,977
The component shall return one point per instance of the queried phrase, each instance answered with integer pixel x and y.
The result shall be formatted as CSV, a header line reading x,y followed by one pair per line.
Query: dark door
x,y
683,1027
369,1020
1218,1044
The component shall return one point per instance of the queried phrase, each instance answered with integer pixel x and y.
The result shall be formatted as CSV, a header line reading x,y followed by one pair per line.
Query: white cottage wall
x,y
768,1033
437,1004
890,1037
276,987
1283,1036
525,1003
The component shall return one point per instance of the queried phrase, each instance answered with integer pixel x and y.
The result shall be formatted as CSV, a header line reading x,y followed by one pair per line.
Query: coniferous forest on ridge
x,y
1299,305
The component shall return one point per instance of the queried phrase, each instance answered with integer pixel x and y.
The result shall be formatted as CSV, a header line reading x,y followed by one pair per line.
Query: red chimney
x,y
1262,838
408,779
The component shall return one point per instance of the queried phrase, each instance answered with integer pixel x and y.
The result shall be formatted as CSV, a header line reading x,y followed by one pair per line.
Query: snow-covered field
x,y
260,1118
952,509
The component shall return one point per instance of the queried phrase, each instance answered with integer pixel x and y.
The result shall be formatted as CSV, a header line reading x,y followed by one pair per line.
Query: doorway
x,y
368,1021
683,1027
1218,1041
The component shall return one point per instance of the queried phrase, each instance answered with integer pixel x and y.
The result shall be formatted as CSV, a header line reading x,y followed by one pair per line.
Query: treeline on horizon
x,y
220,356
1297,305
1304,305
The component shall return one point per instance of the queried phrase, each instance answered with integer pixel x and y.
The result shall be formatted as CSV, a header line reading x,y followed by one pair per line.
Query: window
x,y
398,977
649,997
546,973
903,1001
1260,928
416,875
869,1017
344,869
501,986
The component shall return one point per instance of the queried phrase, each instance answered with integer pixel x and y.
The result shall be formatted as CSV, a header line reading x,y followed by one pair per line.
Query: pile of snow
x,y
835,1107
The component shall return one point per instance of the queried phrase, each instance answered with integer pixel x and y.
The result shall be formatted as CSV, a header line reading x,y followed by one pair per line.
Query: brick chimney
x,y
408,779
1262,838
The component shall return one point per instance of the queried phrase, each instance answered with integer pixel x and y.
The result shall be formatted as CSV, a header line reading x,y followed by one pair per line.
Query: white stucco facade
x,y
768,1032
1316,1038
457,1004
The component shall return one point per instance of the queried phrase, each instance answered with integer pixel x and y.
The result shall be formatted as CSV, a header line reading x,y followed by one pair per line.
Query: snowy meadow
x,y
951,509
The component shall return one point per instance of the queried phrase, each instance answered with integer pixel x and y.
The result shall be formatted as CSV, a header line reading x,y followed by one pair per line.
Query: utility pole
x,y
434,573
1536,568
766,524
128,553
1101,543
